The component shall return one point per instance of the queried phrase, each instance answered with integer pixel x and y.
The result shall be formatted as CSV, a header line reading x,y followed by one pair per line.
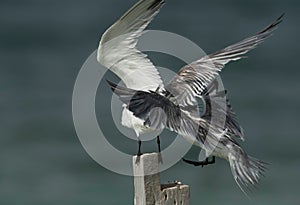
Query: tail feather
x,y
246,170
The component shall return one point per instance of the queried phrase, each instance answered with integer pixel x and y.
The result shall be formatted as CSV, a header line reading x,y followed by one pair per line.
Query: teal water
x,y
42,47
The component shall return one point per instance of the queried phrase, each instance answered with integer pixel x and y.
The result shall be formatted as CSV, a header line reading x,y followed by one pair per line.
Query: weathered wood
x,y
149,191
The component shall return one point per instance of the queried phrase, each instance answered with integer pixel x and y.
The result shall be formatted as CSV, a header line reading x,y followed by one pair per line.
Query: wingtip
x,y
279,19
273,26
281,16
111,85
156,3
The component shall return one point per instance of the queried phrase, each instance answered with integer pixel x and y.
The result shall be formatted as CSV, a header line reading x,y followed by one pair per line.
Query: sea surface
x,y
43,44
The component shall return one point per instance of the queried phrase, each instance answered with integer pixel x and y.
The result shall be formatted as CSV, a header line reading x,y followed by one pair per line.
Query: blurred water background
x,y
43,44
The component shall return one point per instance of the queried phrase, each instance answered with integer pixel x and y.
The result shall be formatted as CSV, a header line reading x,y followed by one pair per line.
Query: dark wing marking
x,y
158,112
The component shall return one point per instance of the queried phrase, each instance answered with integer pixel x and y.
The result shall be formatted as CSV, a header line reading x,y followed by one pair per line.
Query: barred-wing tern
x,y
149,105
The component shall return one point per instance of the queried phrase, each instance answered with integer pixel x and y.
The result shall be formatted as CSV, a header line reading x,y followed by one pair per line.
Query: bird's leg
x,y
139,153
158,144
203,163
159,150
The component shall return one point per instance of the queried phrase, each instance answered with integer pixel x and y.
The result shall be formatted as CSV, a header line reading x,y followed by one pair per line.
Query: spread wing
x,y
197,79
192,79
117,49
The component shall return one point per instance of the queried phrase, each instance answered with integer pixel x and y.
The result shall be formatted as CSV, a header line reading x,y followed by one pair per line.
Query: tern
x,y
150,105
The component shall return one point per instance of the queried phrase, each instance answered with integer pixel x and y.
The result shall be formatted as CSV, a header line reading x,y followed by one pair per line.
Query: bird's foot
x,y
139,153
203,163
138,158
158,144
160,159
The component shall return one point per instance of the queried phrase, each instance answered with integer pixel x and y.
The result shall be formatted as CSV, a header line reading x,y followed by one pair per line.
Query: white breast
x,y
130,121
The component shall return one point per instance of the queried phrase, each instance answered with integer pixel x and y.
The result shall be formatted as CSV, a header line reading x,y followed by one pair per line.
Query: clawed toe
x,y
197,163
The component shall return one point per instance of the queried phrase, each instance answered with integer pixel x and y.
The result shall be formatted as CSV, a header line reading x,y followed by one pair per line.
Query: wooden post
x,y
149,191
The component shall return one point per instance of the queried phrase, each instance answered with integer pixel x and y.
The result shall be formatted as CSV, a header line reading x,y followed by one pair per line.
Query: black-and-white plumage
x,y
158,112
149,105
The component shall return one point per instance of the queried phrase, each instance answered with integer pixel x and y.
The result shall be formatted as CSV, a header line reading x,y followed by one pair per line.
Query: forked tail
x,y
246,170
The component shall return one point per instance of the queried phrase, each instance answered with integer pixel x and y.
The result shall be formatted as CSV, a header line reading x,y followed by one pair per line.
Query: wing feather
x,y
117,49
192,79
159,112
